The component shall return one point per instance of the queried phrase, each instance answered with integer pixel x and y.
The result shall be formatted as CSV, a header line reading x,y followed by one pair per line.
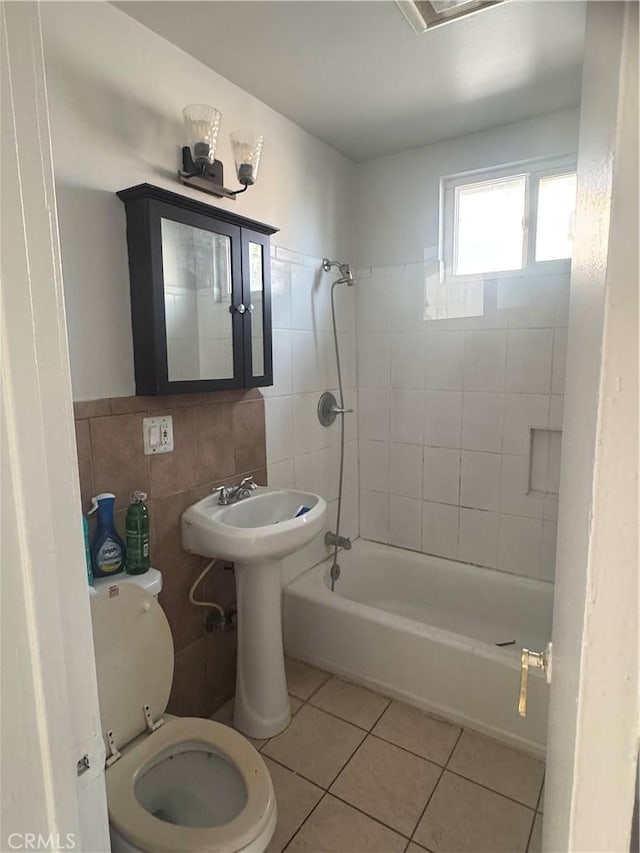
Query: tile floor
x,y
356,771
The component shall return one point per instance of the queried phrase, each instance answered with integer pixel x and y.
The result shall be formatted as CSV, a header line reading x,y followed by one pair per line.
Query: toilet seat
x,y
149,833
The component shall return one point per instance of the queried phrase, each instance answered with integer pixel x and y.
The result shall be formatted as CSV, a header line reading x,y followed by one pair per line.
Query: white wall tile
x,y
406,416
280,474
279,428
531,300
559,360
529,358
484,360
440,530
442,418
550,508
348,358
441,475
408,300
405,522
548,562
309,299
374,302
373,414
374,360
522,413
374,516
405,470
280,295
520,545
407,360
482,421
556,407
444,360
345,300
480,480
312,473
308,432
514,492
281,343
478,542
374,465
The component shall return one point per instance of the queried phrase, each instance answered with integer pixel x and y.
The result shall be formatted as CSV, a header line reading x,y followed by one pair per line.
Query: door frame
x,y
50,716
593,715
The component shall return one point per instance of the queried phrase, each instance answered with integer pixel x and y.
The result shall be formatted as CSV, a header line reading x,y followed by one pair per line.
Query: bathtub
x,y
425,630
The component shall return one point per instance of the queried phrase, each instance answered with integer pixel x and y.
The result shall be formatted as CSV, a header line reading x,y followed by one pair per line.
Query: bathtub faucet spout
x,y
341,541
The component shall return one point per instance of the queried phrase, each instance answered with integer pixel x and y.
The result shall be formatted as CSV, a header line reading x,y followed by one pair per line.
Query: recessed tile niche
x,y
544,471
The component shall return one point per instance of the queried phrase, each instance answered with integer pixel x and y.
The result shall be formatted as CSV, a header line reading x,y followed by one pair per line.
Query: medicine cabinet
x,y
200,294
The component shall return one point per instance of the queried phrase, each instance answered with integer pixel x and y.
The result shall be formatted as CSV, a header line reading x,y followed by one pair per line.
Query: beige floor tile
x,y
416,731
462,817
387,783
302,679
335,826
535,843
295,797
352,703
507,771
295,704
415,848
315,745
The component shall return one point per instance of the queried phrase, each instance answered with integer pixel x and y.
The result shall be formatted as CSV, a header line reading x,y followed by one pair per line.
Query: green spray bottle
x,y
137,535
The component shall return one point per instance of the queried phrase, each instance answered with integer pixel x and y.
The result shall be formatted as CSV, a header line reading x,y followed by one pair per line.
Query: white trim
x,y
533,170
50,714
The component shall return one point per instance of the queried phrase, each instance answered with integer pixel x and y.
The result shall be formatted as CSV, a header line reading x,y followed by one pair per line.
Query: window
x,y
502,221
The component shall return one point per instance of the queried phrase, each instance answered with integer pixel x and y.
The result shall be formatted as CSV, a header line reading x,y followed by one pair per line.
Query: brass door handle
x,y
537,660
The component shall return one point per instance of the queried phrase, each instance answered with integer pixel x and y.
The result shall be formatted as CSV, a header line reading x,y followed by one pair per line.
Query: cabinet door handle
x,y
241,308
250,308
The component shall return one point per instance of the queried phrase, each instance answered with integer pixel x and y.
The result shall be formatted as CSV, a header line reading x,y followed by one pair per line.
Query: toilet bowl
x,y
173,784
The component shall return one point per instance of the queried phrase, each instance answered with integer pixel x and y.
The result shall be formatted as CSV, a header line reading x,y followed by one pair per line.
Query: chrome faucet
x,y
233,494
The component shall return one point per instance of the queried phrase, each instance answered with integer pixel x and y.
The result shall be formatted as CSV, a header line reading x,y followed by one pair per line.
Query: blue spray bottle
x,y
107,548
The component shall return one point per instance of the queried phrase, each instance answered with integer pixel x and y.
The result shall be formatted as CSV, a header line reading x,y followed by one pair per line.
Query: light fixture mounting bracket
x,y
208,180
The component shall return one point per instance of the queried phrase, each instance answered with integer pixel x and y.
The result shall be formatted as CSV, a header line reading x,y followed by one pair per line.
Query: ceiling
x,y
358,77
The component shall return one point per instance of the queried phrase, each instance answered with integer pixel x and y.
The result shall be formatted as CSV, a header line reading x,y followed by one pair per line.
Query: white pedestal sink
x,y
256,533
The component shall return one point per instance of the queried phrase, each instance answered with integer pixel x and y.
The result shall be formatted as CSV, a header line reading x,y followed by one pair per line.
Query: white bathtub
x,y
425,630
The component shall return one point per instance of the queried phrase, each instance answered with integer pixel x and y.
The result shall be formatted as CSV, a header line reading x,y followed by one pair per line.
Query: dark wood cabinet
x,y
200,294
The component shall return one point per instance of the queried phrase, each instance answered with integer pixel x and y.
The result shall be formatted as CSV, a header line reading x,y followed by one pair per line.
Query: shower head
x,y
346,276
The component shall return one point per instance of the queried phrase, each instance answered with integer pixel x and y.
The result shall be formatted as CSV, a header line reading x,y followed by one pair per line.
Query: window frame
x,y
533,170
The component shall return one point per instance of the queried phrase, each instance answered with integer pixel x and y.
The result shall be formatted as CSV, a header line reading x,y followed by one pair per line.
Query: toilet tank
x,y
150,581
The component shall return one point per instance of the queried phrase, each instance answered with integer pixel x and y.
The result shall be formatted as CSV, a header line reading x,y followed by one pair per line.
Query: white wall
x,y
446,405
397,213
593,714
300,451
117,91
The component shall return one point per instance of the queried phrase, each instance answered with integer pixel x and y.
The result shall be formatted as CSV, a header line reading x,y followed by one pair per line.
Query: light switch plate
x,y
158,435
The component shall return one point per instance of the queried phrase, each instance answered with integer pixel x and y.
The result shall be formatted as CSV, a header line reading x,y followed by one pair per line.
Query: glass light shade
x,y
202,124
247,151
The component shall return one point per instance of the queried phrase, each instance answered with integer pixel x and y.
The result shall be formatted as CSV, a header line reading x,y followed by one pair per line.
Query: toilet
x,y
173,784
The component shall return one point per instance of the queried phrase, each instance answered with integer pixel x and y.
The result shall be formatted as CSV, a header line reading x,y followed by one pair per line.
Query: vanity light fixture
x,y
200,169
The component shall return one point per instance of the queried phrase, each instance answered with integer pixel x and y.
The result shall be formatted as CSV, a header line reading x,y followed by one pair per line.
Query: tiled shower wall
x,y
218,438
301,453
446,409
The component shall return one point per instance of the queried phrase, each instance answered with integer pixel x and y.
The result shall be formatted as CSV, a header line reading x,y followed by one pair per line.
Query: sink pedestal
x,y
261,708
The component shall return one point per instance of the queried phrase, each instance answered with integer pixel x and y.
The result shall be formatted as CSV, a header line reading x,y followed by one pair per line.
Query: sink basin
x,y
258,528
256,533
